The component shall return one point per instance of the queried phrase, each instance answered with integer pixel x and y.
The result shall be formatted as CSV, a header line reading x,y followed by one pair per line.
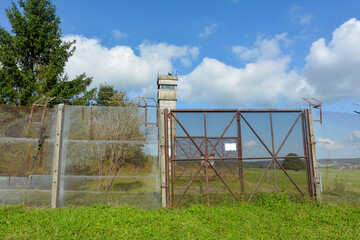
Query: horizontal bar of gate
x,y
236,158
234,110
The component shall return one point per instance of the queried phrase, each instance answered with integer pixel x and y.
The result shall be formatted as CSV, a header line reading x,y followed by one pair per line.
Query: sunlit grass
x,y
271,217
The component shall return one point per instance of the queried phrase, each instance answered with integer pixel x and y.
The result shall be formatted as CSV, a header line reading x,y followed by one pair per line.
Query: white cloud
x,y
119,35
208,30
302,19
305,19
331,73
120,66
293,9
250,144
264,81
333,68
355,136
329,145
264,48
298,17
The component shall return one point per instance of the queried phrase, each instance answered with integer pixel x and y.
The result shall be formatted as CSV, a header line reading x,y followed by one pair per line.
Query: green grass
x,y
271,217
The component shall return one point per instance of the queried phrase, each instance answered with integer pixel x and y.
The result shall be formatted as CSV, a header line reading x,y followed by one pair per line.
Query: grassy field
x,y
271,217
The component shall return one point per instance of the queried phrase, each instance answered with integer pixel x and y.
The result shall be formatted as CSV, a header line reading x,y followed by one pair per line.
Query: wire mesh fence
x,y
108,155
25,169
338,153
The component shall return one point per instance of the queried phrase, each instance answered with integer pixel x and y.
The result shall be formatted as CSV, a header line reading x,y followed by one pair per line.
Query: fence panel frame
x,y
303,118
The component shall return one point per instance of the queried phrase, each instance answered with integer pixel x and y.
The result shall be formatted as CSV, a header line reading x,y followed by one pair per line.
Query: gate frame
x,y
169,118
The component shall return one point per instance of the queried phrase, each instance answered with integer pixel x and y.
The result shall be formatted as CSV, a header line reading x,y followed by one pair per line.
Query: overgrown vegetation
x,y
117,135
274,217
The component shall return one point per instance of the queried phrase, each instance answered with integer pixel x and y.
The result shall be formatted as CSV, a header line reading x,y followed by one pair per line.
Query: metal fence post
x,y
57,157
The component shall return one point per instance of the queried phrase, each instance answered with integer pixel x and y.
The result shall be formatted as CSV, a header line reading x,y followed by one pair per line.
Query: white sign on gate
x,y
230,146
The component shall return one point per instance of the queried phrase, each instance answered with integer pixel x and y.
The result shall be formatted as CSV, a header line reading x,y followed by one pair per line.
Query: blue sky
x,y
228,53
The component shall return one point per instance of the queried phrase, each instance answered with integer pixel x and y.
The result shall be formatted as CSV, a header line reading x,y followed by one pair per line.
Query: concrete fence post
x,y
313,150
57,157
162,157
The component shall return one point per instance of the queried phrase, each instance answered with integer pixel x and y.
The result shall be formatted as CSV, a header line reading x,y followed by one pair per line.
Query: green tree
x,y
108,96
85,98
33,56
292,162
105,93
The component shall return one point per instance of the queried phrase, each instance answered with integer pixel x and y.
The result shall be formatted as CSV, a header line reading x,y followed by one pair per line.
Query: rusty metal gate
x,y
218,156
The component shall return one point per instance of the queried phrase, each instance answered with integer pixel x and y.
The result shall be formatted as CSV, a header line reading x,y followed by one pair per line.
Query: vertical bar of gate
x,y
305,153
206,164
172,162
166,143
240,160
190,162
273,149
